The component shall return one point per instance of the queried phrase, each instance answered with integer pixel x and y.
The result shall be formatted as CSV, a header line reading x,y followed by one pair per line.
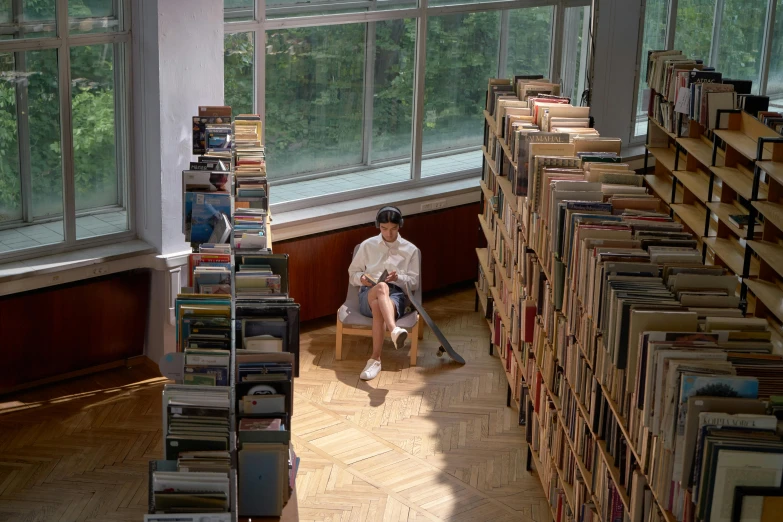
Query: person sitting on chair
x,y
386,301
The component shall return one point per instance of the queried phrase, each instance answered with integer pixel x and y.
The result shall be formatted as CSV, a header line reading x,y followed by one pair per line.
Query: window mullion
x,y
671,25
418,92
766,53
260,61
369,90
586,44
66,128
716,23
505,17
556,59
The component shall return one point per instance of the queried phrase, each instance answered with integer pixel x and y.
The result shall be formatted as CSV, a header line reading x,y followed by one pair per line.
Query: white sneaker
x,y
371,370
399,335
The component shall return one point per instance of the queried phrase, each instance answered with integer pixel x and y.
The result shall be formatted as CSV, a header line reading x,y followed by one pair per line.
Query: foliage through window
x,y
33,174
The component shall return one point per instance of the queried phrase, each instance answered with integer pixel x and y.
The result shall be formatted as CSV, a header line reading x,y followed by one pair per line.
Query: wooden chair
x,y
351,322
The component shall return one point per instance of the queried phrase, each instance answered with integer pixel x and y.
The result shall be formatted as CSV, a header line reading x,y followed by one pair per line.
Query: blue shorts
x,y
396,294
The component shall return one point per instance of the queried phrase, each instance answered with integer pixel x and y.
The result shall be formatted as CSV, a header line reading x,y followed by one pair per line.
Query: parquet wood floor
x,y
430,442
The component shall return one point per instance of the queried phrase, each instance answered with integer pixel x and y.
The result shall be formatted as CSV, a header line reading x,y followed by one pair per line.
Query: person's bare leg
x,y
380,294
377,330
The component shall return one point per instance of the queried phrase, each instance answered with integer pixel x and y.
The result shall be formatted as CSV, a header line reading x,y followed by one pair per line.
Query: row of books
x,y
227,418
641,382
684,87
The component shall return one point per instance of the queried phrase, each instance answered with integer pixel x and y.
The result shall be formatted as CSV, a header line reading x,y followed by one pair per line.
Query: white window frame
x,y
712,59
260,24
63,43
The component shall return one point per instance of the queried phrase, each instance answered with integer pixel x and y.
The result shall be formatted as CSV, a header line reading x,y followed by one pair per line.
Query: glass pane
x,y
94,16
655,19
775,80
238,10
694,28
10,176
99,182
529,41
314,98
31,198
461,54
392,115
27,19
45,155
291,8
577,34
239,72
741,40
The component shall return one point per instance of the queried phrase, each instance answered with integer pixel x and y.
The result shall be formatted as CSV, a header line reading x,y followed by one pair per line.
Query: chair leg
x,y
338,349
420,327
415,342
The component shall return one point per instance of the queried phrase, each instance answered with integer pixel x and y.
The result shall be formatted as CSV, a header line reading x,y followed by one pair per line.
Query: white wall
x,y
617,38
177,66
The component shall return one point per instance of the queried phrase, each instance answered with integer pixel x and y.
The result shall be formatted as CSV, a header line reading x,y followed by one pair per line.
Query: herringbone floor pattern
x,y
430,442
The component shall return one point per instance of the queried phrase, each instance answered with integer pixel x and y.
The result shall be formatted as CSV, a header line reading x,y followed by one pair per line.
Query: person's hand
x,y
365,281
392,277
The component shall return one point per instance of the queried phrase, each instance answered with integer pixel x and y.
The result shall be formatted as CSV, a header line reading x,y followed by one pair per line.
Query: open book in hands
x,y
381,279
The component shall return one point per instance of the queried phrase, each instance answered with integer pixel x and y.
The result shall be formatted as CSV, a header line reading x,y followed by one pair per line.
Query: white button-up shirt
x,y
376,255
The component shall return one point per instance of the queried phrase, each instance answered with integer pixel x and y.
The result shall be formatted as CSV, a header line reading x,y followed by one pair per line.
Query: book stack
x,y
227,419
250,167
647,391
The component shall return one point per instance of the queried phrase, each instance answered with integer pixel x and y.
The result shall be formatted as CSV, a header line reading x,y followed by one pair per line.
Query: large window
x,y
63,114
366,96
736,37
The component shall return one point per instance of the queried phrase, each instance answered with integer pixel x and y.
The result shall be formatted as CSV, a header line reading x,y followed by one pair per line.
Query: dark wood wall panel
x,y
318,264
67,328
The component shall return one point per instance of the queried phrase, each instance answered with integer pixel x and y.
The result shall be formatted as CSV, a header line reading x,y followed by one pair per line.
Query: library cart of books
x,y
227,418
638,315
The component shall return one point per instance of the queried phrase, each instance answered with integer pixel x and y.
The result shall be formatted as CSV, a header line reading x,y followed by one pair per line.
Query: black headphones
x,y
392,209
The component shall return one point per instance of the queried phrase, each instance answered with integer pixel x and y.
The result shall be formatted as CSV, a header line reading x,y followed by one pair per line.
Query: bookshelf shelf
x,y
693,217
621,421
487,230
505,186
663,188
740,142
483,297
666,156
487,193
501,269
697,183
769,294
770,253
489,160
773,168
662,128
504,232
482,254
490,121
772,212
507,152
614,473
724,210
740,180
503,317
732,254
700,150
